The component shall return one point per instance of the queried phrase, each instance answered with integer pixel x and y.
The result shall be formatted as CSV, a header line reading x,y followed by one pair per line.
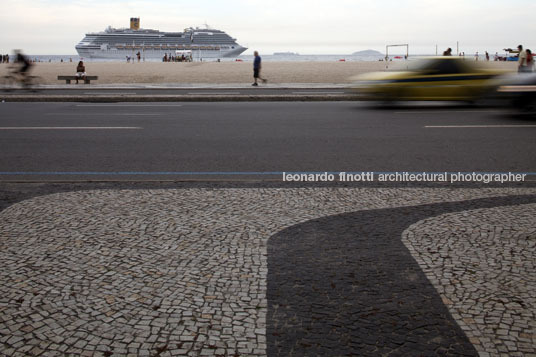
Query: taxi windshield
x,y
440,66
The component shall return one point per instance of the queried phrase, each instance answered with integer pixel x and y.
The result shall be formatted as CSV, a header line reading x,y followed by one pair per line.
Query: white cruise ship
x,y
153,44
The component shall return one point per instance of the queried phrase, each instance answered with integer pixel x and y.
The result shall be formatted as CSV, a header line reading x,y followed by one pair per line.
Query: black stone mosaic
x,y
346,285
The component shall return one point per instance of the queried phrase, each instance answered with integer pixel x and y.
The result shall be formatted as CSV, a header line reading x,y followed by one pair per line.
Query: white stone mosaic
x,y
167,272
483,264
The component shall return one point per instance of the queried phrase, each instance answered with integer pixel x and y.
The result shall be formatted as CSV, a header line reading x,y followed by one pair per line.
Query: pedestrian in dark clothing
x,y
80,71
25,64
257,69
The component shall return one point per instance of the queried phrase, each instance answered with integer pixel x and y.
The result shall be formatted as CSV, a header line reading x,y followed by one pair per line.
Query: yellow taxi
x,y
438,78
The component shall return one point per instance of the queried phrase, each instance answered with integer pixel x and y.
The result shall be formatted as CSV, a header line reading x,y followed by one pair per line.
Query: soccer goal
x,y
387,52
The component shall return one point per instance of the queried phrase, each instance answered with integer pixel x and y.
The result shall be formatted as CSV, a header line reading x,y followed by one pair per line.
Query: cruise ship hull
x,y
152,54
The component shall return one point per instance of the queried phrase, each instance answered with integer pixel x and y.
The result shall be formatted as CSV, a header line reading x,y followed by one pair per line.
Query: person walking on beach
x,y
530,60
257,69
522,60
487,56
447,52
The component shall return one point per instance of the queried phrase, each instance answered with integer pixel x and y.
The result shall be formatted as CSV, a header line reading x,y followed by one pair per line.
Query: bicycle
x,y
15,80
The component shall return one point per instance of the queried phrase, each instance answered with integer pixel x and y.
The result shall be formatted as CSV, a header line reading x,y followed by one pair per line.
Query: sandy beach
x,y
219,72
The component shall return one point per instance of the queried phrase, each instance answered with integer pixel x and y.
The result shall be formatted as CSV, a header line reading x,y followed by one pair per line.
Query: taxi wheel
x,y
529,106
388,104
526,104
483,98
389,99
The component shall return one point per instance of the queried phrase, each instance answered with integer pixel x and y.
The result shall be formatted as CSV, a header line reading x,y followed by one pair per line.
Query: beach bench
x,y
68,79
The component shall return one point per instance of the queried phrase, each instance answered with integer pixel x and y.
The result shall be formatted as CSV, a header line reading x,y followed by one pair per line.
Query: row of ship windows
x,y
158,47
100,41
171,47
223,37
164,43
122,38
166,49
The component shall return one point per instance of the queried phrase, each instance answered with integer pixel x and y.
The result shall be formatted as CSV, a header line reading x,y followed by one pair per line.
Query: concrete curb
x,y
176,98
214,86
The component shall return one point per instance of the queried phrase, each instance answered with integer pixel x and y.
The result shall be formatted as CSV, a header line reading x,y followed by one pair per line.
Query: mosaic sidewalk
x,y
255,272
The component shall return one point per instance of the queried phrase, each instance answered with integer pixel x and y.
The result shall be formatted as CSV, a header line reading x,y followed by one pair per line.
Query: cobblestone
x,y
482,262
133,271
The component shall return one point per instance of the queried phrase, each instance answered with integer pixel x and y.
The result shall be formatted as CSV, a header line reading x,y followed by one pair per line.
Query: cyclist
x,y
25,65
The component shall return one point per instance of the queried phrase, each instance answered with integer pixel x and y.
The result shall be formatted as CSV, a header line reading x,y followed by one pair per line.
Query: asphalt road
x,y
131,141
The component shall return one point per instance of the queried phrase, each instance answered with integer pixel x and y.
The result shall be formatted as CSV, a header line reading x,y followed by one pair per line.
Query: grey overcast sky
x,y
304,26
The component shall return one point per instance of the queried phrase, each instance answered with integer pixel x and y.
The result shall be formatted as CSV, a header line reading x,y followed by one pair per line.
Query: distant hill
x,y
368,53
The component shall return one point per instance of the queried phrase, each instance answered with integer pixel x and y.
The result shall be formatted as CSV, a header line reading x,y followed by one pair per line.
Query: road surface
x,y
255,140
